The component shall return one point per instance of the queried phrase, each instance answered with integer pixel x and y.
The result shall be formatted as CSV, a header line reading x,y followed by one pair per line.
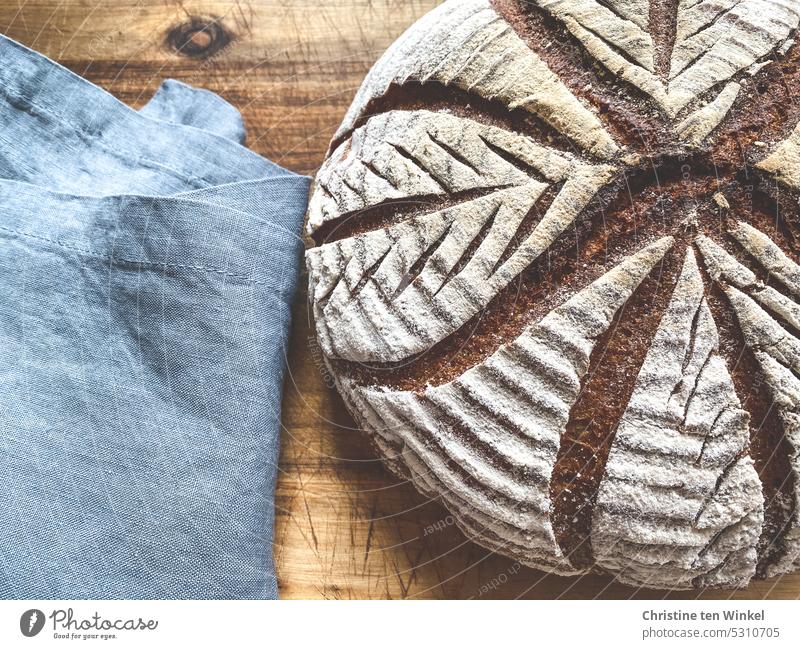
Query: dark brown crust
x,y
766,111
390,212
625,110
663,25
586,442
437,97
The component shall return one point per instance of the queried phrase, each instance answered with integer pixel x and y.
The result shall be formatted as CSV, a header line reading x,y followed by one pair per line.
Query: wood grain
x,y
345,528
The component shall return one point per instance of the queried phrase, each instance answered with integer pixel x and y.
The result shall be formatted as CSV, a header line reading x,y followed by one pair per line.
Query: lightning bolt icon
x,y
32,621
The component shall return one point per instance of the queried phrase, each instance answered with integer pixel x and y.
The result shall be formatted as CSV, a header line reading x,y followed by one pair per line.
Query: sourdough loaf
x,y
556,280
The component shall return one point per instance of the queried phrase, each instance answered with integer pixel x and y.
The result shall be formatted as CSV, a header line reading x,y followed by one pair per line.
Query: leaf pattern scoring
x,y
424,215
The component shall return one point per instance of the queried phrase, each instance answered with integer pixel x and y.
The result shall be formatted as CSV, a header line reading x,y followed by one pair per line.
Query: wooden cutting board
x,y
345,527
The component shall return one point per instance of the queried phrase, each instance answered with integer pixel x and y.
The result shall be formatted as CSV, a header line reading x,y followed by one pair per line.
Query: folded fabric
x,y
179,103
147,265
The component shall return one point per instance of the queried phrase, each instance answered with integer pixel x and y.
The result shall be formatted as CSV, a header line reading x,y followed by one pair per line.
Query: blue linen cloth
x,y
147,266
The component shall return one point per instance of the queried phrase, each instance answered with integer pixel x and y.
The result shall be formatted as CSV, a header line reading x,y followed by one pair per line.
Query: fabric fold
x,y
180,103
147,265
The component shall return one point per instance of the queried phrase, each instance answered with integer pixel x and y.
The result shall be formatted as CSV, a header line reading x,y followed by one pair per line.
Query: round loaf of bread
x,y
556,280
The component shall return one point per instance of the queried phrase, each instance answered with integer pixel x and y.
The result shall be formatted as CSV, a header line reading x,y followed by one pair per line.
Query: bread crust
x,y
471,166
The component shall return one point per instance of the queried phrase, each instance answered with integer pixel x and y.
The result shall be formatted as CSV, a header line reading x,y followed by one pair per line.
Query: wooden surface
x,y
345,527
